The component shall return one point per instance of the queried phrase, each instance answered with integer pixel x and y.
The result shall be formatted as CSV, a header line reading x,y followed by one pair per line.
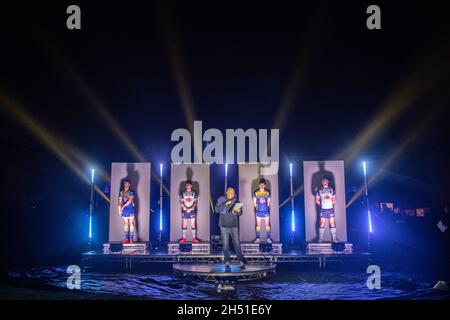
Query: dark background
x,y
238,61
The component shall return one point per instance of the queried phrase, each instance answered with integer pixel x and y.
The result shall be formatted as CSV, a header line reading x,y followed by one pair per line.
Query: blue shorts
x,y
189,215
262,214
128,214
327,213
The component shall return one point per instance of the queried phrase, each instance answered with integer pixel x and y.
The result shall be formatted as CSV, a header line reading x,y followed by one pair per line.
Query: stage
x,y
132,256
218,272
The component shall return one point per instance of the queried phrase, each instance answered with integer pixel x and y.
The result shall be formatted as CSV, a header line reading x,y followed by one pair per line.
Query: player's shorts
x,y
327,213
128,214
189,215
262,214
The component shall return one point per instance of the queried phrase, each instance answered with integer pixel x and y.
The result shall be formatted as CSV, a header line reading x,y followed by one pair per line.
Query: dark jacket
x,y
227,218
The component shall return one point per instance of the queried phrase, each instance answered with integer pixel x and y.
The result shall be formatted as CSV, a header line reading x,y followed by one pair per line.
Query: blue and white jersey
x,y
326,197
124,196
262,200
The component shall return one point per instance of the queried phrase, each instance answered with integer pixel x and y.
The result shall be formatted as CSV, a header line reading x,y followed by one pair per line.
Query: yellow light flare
x,y
413,86
55,145
303,61
171,43
73,75
408,139
422,77
84,159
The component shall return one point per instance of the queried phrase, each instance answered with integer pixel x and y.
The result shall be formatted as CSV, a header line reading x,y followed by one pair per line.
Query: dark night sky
x,y
238,62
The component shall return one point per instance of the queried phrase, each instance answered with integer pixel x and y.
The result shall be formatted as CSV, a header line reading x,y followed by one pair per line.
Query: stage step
x,y
218,271
174,248
327,248
117,247
261,248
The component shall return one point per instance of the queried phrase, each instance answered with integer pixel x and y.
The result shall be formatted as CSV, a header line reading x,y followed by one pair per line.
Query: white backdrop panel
x,y
313,173
248,182
199,174
139,173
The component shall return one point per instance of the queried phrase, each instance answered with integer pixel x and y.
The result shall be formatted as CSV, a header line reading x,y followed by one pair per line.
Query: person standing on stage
x,y
261,201
127,210
326,198
188,203
229,225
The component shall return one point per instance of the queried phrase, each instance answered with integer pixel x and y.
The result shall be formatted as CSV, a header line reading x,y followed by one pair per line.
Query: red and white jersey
x,y
189,198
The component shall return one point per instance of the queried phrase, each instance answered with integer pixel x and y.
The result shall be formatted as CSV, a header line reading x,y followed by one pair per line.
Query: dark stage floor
x,y
289,284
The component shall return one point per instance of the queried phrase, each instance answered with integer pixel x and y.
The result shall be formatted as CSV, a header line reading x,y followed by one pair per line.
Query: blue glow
x,y
293,221
369,216
292,212
90,211
226,169
160,210
90,226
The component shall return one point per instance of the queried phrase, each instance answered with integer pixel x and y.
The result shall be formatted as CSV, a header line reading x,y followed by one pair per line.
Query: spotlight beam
x,y
16,111
418,81
414,85
178,67
88,94
84,159
408,139
303,61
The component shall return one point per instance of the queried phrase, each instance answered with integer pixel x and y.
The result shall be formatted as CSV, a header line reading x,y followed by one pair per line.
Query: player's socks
x,y
126,233
183,232
321,232
194,232
131,233
333,234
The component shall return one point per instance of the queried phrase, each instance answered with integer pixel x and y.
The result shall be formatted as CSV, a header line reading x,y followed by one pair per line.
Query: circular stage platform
x,y
218,272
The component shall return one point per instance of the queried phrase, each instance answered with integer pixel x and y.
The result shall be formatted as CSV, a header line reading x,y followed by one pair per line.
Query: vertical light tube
x,y
292,199
160,199
91,205
366,193
226,177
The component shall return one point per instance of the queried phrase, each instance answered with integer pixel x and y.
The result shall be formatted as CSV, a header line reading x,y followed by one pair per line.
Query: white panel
x,y
140,174
248,182
199,174
313,173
